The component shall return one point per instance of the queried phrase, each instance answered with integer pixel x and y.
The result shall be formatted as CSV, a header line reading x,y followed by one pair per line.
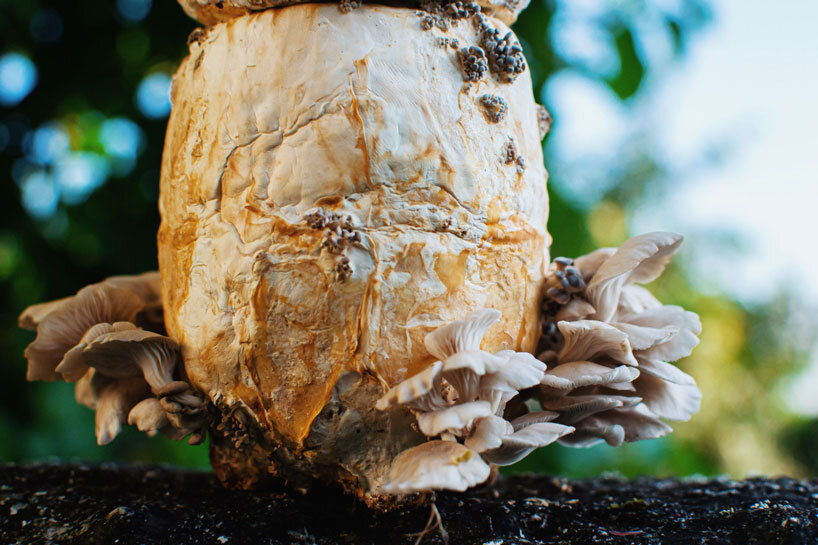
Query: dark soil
x,y
90,504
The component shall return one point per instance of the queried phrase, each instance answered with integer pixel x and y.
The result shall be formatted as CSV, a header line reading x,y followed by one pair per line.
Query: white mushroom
x,y
519,371
421,392
455,419
586,339
573,409
457,345
524,441
578,374
641,259
488,433
461,335
633,424
440,465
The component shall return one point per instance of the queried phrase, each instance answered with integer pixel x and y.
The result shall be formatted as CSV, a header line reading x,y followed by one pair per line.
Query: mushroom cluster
x,y
608,343
462,397
108,339
602,375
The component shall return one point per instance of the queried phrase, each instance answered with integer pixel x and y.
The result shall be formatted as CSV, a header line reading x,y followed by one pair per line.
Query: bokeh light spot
x,y
78,174
134,10
153,96
40,196
18,77
47,144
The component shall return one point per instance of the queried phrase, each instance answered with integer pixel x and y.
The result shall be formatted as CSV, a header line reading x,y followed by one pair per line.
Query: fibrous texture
x,y
210,12
329,196
122,371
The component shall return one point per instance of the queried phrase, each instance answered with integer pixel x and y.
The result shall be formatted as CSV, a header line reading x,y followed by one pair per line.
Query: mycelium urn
x,y
335,186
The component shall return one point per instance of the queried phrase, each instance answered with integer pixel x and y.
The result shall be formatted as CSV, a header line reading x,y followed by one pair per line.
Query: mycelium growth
x,y
354,260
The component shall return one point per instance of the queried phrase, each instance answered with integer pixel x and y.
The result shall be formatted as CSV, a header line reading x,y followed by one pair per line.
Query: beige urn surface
x,y
332,190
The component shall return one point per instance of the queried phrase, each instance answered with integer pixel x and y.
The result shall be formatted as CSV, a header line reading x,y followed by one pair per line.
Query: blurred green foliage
x,y
91,60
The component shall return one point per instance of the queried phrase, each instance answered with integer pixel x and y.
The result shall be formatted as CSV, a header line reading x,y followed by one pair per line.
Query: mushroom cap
x,y
64,326
455,419
640,259
116,400
587,339
210,12
435,465
573,409
148,415
523,442
73,367
579,374
128,353
421,391
488,433
32,316
461,335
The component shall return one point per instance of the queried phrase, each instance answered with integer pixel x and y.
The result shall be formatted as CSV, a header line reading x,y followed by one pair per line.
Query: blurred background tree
x,y
83,106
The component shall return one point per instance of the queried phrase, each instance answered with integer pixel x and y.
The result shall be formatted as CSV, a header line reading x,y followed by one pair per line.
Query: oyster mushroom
x,y
612,322
441,465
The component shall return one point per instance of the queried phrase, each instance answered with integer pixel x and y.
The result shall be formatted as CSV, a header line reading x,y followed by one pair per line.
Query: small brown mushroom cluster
x,y
459,402
504,53
473,62
108,340
494,106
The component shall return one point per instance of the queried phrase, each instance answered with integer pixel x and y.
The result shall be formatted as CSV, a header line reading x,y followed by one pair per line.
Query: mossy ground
x,y
90,504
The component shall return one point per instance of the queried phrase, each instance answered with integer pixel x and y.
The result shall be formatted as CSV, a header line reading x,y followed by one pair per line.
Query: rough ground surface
x,y
92,504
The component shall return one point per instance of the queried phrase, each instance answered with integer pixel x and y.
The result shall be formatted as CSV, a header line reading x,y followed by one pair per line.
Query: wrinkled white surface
x,y
367,115
212,11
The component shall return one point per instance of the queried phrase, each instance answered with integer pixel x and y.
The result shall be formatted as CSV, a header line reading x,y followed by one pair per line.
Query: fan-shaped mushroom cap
x,y
464,370
686,324
488,433
421,392
455,419
590,263
668,399
210,12
461,335
123,354
628,424
435,465
73,367
148,416
64,326
521,443
579,374
573,409
576,309
32,316
585,339
115,402
519,370
640,259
